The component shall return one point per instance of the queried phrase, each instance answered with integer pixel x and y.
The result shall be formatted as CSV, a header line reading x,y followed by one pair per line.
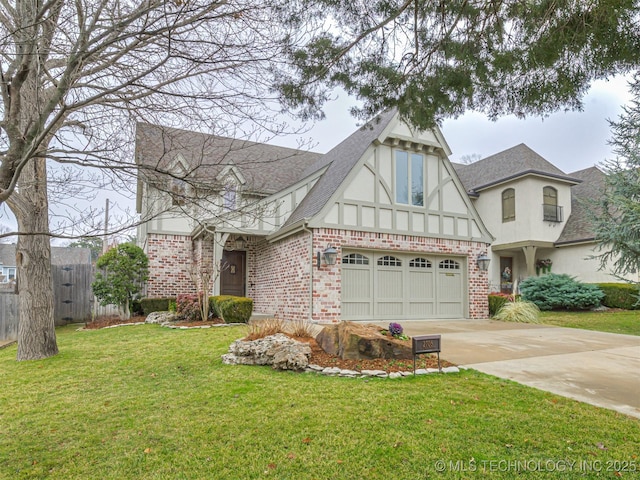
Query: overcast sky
x,y
571,141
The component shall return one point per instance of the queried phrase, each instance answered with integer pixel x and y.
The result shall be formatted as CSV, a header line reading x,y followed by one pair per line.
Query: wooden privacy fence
x,y
73,299
8,316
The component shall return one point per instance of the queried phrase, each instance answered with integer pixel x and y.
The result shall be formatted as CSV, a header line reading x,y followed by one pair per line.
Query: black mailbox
x,y
425,344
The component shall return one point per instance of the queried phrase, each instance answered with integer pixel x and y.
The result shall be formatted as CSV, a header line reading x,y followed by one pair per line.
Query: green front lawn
x,y
146,402
619,321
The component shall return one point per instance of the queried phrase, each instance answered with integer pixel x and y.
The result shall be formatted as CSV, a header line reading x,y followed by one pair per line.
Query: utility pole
x,y
105,239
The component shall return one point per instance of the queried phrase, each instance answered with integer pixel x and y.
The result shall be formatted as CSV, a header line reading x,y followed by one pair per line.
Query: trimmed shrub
x,y
236,309
188,308
214,304
150,305
519,311
498,299
560,292
620,295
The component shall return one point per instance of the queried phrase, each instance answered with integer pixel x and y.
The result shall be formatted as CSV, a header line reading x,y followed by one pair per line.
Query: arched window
x,y
551,211
508,205
389,261
355,259
449,265
420,263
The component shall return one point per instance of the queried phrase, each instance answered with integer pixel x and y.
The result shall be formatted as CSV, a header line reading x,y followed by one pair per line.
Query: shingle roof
x,y
266,168
341,160
511,163
578,226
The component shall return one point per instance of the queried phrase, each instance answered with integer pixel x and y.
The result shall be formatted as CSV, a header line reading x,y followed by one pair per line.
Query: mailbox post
x,y
425,344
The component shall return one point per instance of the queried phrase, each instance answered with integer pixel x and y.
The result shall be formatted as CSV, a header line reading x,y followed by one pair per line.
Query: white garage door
x,y
396,286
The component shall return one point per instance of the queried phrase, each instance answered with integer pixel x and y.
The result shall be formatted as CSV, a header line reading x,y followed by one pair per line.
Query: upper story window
x,y
508,205
409,178
551,211
230,198
178,191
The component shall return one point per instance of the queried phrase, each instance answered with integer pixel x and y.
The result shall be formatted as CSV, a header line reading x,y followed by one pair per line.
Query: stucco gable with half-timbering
x,y
426,198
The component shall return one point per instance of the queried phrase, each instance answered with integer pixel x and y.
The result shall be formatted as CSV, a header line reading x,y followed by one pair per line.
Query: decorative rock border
x,y
169,325
335,371
217,325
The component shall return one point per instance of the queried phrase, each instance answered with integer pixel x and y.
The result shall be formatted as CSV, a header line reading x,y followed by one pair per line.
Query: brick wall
x,y
326,281
281,282
170,261
278,274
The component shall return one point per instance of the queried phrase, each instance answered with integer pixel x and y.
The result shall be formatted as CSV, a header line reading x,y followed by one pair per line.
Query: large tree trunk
x,y
36,330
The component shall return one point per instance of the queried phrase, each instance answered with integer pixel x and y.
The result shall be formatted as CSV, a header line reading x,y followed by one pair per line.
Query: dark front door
x,y
232,277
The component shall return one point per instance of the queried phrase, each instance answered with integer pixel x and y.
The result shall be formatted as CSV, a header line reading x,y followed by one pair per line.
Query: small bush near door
x,y
620,295
232,309
560,292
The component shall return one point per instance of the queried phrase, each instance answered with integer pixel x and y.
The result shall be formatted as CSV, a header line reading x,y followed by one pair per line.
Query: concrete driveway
x,y
599,368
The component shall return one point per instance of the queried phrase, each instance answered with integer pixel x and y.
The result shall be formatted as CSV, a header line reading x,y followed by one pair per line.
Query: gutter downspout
x,y
306,229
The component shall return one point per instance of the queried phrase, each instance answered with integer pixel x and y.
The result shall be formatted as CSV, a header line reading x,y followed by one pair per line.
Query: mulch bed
x,y
318,356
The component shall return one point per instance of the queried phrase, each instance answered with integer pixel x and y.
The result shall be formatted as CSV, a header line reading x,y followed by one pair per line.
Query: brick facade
x,y
282,277
279,274
326,291
170,262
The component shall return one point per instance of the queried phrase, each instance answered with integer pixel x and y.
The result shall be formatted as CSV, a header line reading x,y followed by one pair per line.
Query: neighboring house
x,y
538,215
386,201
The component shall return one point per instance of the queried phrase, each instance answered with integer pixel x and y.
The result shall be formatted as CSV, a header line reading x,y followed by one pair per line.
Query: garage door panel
x,y
357,284
402,286
447,309
389,309
420,285
421,309
357,309
357,288
389,284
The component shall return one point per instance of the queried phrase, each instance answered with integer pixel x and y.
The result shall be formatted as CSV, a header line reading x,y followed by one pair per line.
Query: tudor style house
x,y
379,228
538,215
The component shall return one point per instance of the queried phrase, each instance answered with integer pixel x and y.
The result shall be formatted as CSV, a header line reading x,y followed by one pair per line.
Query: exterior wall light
x,y
240,243
328,256
483,262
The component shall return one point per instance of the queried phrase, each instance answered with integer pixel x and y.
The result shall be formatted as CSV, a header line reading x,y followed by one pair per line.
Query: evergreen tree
x,y
617,216
122,272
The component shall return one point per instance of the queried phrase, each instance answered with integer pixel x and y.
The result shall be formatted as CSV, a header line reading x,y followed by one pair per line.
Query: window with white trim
x,y
389,261
355,259
409,172
420,263
449,264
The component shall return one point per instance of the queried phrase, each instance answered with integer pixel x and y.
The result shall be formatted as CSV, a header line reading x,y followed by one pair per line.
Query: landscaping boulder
x,y
279,351
161,317
328,339
357,341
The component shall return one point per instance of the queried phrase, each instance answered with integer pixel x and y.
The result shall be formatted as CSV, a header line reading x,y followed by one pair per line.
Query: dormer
x,y
231,180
